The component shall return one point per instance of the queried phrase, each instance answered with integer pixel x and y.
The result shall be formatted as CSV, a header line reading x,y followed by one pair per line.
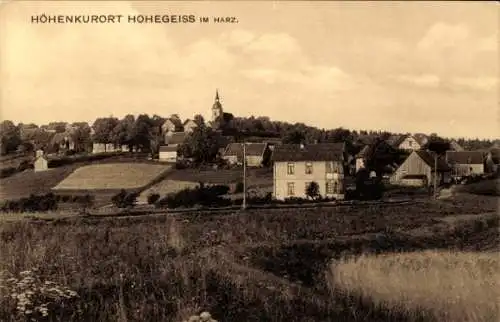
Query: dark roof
x,y
428,158
421,138
223,141
465,157
177,122
176,138
396,140
312,152
252,149
168,148
364,151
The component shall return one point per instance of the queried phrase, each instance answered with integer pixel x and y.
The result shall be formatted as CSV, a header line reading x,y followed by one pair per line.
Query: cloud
x,y
477,83
441,36
424,80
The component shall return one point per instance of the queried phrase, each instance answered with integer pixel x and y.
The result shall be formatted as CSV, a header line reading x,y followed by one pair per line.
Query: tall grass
x,y
450,286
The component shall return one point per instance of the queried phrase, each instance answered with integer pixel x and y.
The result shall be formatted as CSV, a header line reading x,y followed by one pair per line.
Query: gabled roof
x,y
312,152
454,146
168,148
176,138
464,157
175,121
396,140
252,149
189,121
364,151
428,158
421,138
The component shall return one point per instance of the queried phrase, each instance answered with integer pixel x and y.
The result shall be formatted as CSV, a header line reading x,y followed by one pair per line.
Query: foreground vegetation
x,y
451,286
250,266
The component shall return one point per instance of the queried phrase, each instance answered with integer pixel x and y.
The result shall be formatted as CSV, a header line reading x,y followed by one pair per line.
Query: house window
x,y
290,168
309,168
307,184
330,187
291,189
329,167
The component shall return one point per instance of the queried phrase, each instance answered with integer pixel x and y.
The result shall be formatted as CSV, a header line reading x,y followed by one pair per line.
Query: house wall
x,y
360,163
170,156
252,161
168,126
467,169
409,144
413,165
190,126
412,182
41,164
301,179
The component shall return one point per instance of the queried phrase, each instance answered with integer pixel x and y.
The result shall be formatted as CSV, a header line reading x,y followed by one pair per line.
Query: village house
x,y
62,142
361,158
171,125
465,163
189,126
41,163
408,142
454,146
168,153
492,160
419,170
296,166
256,154
108,147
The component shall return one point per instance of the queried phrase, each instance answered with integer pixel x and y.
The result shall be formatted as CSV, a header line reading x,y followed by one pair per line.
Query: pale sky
x,y
406,67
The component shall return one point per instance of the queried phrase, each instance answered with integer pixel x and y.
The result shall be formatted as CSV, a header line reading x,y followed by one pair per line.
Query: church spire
x,y
216,95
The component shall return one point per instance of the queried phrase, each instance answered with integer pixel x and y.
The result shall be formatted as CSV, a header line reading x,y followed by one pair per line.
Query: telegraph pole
x,y
435,175
244,204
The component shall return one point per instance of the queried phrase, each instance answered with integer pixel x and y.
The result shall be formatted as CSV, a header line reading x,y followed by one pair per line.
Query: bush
x,y
204,196
239,187
153,198
32,203
124,199
7,172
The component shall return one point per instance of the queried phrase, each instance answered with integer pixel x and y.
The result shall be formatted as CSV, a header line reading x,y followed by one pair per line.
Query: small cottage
x,y
465,163
256,154
41,162
168,153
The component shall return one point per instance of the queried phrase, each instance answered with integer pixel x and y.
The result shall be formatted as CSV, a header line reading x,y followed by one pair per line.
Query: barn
x,y
419,169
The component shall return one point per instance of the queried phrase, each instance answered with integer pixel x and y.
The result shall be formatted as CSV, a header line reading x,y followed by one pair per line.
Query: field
x,y
272,265
259,181
29,182
111,176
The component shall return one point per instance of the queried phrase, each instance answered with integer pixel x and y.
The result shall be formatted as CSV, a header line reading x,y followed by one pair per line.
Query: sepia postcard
x,y
248,161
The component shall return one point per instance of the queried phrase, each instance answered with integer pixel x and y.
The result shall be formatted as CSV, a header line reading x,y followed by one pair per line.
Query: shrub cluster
x,y
9,171
32,203
125,199
203,196
67,160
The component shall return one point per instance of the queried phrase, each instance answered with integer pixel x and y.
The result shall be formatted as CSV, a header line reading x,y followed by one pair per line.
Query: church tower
x,y
217,113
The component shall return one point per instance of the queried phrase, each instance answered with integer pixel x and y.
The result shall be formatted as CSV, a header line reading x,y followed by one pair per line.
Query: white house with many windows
x,y
296,166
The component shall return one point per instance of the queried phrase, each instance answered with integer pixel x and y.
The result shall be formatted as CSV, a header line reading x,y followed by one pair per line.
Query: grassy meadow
x,y
258,265
450,286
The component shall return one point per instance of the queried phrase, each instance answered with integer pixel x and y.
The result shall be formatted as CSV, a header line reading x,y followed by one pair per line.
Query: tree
x,y
144,133
123,132
81,136
201,145
103,129
199,120
312,190
294,137
9,136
